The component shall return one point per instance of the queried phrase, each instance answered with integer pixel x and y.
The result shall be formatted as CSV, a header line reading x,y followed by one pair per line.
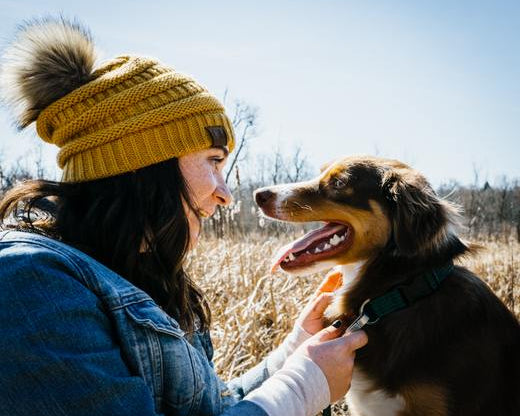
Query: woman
x,y
98,315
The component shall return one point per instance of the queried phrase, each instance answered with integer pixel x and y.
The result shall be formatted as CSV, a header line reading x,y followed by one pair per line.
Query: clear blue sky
x,y
433,83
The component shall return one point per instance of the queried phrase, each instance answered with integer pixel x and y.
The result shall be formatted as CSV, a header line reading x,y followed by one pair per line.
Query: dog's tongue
x,y
304,242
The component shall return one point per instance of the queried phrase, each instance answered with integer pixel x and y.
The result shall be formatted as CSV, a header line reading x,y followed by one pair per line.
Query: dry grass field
x,y
254,309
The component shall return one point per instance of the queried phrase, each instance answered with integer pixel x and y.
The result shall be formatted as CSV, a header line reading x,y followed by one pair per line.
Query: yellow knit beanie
x,y
129,113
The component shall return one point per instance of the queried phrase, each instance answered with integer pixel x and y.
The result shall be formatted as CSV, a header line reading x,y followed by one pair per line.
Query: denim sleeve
x,y
228,398
243,384
250,380
57,352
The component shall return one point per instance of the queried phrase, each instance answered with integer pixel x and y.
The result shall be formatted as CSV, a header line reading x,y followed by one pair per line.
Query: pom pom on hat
x,y
48,59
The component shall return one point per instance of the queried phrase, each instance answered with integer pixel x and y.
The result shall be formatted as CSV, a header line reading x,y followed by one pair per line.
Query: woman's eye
x,y
217,160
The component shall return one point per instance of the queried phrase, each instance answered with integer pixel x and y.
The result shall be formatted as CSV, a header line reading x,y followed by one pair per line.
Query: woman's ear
x,y
420,219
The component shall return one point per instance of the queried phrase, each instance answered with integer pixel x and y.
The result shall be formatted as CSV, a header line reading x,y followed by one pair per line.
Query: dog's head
x,y
367,204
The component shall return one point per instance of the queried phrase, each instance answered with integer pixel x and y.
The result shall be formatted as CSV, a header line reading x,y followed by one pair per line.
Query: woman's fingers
x,y
334,354
321,303
331,332
357,339
311,317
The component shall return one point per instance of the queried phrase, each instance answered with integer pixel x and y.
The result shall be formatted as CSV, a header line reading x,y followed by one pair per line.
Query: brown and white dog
x,y
453,352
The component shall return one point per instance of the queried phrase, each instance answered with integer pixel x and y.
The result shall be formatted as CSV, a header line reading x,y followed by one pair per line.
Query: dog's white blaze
x,y
285,191
350,272
363,400
282,193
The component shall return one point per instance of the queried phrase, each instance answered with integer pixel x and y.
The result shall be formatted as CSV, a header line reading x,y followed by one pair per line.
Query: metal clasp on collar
x,y
362,320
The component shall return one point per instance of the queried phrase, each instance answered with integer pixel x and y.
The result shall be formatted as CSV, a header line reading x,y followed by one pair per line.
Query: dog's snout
x,y
262,197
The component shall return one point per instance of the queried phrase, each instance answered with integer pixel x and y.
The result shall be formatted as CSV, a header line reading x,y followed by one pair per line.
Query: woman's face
x,y
202,171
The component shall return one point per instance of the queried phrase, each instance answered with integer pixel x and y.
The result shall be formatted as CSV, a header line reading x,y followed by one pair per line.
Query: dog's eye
x,y
338,184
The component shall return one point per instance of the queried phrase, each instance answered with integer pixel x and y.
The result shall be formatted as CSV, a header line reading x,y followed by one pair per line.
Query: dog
x,y
449,346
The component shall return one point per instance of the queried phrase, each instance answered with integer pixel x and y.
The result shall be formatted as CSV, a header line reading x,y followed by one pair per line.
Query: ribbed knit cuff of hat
x,y
299,388
134,113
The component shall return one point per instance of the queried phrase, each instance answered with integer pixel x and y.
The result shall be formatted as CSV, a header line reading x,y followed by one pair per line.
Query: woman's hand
x,y
334,354
308,323
311,317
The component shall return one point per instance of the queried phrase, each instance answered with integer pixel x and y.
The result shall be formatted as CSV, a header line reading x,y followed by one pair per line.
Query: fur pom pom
x,y
48,59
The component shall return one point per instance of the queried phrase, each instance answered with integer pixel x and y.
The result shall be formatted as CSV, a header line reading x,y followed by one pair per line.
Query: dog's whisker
x,y
305,206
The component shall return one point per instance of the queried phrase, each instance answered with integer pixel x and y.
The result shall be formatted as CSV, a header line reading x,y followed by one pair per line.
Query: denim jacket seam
x,y
157,372
199,386
123,305
198,383
152,325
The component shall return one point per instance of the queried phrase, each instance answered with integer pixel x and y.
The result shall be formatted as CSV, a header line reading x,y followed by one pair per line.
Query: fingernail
x,y
336,323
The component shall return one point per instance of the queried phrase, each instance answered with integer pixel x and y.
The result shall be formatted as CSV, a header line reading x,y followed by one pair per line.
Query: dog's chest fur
x,y
365,400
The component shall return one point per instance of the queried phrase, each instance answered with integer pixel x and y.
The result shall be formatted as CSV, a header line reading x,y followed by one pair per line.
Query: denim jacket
x,y
78,339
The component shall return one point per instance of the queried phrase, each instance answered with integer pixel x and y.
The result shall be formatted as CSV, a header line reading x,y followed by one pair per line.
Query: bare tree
x,y
244,122
16,173
298,167
277,165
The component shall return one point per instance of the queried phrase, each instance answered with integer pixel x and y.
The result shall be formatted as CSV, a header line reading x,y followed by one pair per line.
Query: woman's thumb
x,y
331,332
357,339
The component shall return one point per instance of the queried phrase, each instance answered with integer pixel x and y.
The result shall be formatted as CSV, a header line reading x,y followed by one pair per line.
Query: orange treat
x,y
331,282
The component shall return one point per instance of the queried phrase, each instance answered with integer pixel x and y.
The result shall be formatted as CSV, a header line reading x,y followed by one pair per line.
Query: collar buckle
x,y
361,320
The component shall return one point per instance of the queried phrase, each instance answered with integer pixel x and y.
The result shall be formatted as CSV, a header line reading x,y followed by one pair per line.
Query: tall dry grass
x,y
253,310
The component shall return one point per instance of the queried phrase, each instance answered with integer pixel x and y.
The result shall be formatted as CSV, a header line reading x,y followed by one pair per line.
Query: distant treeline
x,y
488,211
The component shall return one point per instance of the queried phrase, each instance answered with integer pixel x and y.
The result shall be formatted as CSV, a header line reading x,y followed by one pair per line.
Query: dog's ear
x,y
327,165
420,219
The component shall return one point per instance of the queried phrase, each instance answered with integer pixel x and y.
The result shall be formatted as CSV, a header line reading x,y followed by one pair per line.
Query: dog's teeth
x,y
317,250
335,240
291,257
326,246
286,260
342,238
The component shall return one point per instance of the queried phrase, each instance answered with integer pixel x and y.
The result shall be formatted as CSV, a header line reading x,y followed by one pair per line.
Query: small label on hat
x,y
218,136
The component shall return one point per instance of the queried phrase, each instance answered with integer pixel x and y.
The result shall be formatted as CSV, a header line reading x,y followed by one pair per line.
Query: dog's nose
x,y
262,197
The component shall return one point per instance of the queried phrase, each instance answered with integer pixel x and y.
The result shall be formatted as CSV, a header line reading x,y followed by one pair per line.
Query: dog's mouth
x,y
317,245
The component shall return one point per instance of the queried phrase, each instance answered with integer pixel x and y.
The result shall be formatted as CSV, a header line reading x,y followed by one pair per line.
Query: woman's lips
x,y
205,213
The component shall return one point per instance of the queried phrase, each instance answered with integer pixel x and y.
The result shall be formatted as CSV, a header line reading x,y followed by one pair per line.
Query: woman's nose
x,y
223,195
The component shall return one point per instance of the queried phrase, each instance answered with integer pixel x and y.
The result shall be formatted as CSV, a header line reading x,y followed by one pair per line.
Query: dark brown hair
x,y
110,218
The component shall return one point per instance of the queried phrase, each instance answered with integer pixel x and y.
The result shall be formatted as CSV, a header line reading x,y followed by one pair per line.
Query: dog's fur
x,y
455,352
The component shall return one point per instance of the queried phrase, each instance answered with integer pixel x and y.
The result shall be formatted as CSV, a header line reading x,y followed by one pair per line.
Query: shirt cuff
x,y
298,388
